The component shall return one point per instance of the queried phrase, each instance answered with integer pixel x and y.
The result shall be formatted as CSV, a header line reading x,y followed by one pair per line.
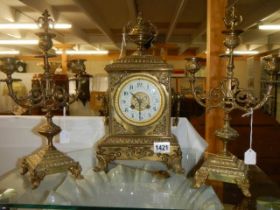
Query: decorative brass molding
x,y
137,148
224,168
48,160
118,128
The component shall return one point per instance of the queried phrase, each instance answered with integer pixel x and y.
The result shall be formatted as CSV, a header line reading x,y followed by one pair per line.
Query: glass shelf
x,y
136,186
265,193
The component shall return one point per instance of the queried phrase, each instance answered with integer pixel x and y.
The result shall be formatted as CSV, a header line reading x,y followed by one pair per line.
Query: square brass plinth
x,y
48,160
137,148
225,168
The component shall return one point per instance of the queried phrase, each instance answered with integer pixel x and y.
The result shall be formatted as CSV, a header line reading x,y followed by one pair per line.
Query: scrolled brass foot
x,y
174,161
244,185
76,171
23,167
177,167
102,164
200,178
36,177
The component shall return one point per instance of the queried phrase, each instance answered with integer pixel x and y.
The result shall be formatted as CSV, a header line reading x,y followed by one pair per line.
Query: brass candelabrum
x,y
227,96
49,97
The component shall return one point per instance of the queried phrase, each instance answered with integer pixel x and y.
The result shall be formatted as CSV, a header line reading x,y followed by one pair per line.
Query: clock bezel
x,y
21,67
163,95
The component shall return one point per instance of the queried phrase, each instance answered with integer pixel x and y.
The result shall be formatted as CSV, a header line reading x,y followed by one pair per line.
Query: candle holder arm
x,y
32,100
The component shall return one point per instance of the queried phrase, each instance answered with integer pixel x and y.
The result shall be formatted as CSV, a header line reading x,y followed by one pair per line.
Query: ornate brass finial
x,y
45,21
232,19
141,32
45,37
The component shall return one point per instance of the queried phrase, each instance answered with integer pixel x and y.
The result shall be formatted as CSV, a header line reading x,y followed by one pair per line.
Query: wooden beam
x,y
42,5
29,49
7,12
266,48
215,67
179,10
257,12
93,14
197,34
255,36
10,15
260,40
25,49
254,16
64,46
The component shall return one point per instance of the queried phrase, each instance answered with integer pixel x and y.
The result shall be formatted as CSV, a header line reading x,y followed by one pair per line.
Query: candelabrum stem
x,y
225,151
227,126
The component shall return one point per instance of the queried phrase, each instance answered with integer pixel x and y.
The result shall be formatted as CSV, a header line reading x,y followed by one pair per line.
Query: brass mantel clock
x,y
139,106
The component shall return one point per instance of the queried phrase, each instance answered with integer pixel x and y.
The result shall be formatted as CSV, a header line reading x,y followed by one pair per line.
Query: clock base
x,y
138,148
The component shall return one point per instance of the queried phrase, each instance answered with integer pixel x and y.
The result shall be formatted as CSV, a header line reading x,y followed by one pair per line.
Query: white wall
x,y
34,66
94,67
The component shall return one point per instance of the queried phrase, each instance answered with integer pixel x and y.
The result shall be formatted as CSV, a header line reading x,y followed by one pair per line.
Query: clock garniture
x,y
139,96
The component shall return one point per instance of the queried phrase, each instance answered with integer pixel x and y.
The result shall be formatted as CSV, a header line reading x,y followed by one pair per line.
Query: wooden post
x,y
64,59
215,67
163,53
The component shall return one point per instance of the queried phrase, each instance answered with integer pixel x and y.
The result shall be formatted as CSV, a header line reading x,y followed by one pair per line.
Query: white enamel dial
x,y
140,100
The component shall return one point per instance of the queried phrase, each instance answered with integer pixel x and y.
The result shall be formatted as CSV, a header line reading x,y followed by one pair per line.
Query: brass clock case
x,y
133,137
134,140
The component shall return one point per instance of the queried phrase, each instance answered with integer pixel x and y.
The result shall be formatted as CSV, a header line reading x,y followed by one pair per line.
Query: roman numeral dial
x,y
140,100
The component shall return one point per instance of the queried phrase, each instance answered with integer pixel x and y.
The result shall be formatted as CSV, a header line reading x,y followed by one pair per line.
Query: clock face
x,y
20,69
140,100
20,66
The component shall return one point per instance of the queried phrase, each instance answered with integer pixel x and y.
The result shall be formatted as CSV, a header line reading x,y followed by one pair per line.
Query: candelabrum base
x,y
225,168
48,160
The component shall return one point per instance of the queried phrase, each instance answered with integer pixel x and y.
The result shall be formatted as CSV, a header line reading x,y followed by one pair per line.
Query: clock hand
x,y
139,102
134,95
137,99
